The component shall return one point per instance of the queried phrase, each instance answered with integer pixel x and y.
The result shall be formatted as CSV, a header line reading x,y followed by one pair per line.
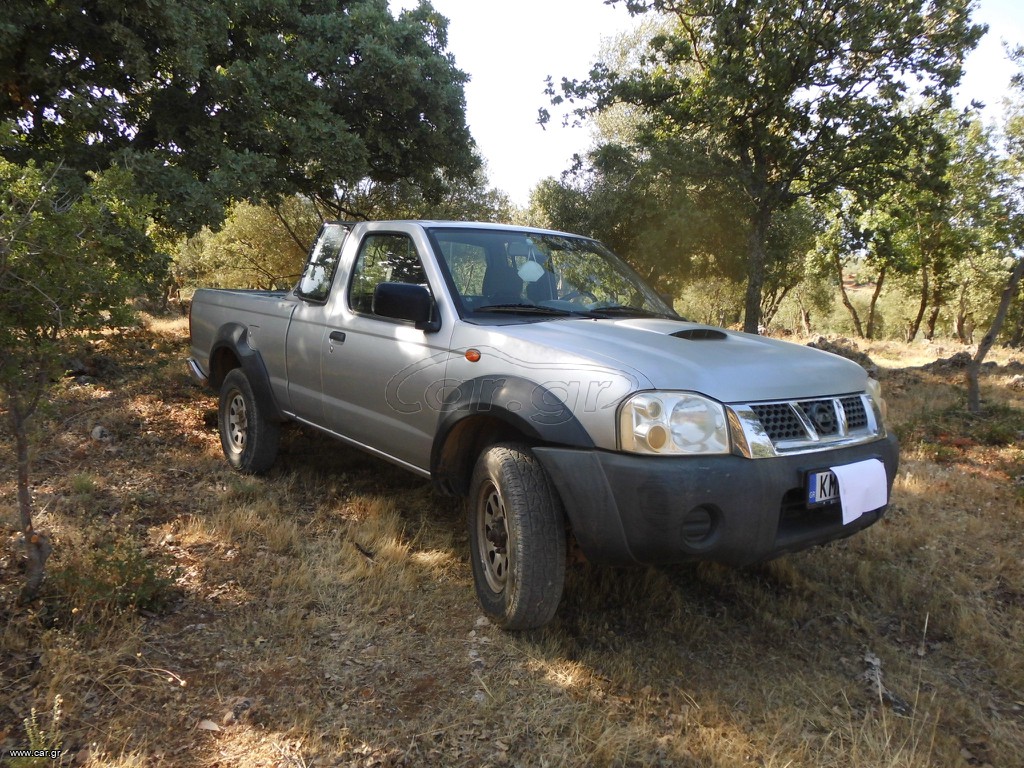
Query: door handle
x,y
338,336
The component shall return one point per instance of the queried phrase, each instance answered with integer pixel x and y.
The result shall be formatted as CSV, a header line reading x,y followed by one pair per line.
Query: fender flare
x,y
234,339
512,405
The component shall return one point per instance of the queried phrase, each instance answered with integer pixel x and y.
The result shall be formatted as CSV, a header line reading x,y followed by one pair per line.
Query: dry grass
x,y
324,615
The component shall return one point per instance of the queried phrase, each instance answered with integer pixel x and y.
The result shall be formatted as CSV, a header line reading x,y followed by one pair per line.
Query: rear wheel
x,y
517,538
248,437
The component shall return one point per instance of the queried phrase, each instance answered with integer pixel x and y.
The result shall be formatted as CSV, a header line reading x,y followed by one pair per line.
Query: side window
x,y
315,283
383,258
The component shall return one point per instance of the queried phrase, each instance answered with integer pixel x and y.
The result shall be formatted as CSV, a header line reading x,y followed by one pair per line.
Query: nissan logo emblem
x,y
824,417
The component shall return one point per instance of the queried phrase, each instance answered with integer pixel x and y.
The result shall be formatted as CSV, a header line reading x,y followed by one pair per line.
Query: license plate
x,y
822,488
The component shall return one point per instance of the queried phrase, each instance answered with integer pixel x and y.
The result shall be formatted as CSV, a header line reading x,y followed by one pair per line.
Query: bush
x,y
112,577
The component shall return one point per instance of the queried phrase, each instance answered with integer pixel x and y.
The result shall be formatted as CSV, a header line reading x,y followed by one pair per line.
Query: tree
x,y
789,241
218,101
939,232
785,99
466,199
1014,224
901,229
66,266
264,246
258,246
670,230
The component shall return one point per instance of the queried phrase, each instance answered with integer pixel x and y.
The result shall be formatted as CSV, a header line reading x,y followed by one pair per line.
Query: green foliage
x,y
941,234
42,739
70,258
946,433
258,246
109,577
1014,135
671,231
67,264
783,99
209,102
463,199
711,300
952,233
265,246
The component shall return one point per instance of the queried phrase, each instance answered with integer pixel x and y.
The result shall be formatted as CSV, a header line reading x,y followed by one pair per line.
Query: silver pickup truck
x,y
537,375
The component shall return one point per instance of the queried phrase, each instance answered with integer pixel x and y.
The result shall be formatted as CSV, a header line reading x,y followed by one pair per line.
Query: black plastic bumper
x,y
627,509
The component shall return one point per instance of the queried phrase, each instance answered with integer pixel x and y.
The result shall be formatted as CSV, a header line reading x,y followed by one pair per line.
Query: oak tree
x,y
785,99
209,102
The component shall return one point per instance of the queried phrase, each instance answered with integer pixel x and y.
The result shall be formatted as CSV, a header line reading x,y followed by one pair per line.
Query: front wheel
x,y
517,538
248,437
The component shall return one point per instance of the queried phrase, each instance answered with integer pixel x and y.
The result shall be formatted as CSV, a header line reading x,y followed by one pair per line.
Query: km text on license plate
x,y
822,487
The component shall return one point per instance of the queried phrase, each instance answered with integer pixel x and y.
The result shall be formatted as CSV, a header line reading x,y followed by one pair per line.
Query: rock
x,y
846,348
240,710
75,367
1016,382
957,362
92,366
101,434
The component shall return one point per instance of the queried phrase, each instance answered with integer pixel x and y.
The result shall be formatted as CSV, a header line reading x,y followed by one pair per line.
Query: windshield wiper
x,y
620,309
533,309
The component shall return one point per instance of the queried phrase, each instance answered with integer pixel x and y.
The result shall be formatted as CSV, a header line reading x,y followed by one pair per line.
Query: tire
x,y
517,538
248,437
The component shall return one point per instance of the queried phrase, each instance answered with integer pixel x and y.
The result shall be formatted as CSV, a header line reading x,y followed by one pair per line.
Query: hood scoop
x,y
700,334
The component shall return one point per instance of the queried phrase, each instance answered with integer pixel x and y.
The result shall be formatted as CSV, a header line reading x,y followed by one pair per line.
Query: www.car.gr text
x,y
53,754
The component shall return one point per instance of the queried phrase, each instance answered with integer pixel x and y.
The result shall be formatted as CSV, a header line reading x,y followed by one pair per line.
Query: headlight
x,y
672,424
874,390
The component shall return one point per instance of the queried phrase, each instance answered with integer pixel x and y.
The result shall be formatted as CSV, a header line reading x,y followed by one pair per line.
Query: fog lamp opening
x,y
700,527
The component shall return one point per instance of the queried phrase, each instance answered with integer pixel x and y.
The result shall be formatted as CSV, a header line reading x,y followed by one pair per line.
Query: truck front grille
x,y
856,413
798,424
780,421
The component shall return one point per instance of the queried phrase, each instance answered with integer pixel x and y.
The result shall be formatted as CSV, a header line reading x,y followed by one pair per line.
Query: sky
x,y
509,47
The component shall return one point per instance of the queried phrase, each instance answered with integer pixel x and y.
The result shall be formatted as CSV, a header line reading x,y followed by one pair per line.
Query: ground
x,y
324,614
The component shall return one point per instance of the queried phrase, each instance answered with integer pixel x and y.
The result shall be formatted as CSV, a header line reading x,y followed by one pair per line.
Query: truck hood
x,y
728,366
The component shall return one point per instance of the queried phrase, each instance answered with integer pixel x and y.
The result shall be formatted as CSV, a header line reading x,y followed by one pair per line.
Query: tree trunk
x,y
37,546
938,301
933,319
756,267
846,298
1017,338
874,302
974,367
768,313
915,324
933,316
962,322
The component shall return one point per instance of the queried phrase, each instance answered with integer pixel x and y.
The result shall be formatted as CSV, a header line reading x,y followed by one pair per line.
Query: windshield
x,y
508,271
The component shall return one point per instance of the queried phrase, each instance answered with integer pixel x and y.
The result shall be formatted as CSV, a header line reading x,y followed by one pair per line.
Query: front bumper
x,y
629,509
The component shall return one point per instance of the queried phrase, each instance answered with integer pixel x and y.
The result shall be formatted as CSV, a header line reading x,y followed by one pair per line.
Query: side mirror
x,y
406,301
